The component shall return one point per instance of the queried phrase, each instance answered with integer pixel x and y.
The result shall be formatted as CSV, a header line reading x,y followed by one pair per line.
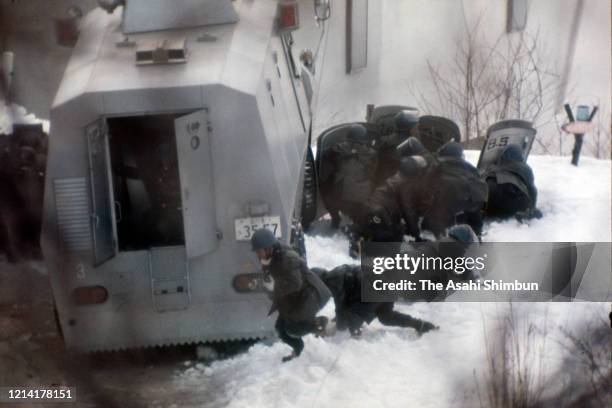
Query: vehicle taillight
x,y
288,16
248,282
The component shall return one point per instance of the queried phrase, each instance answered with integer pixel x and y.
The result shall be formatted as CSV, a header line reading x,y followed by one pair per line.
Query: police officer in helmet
x,y
355,160
297,293
405,125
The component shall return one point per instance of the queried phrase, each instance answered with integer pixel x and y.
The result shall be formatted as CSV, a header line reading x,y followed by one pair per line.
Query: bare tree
x,y
514,353
487,82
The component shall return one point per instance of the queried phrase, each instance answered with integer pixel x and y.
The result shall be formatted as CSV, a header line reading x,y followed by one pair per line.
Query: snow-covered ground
x,y
391,367
575,202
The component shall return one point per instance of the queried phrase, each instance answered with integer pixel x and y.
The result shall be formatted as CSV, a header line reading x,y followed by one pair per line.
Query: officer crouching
x,y
297,293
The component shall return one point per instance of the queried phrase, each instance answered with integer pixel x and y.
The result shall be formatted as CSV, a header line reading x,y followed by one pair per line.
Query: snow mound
x,y
15,114
387,367
575,202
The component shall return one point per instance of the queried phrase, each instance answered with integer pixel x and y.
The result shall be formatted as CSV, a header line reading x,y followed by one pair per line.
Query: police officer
x,y
512,190
451,149
297,293
458,240
345,284
355,160
456,193
413,192
412,147
398,199
405,125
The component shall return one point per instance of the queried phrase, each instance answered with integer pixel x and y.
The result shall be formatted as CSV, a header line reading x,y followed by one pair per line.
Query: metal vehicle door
x,y
197,192
102,225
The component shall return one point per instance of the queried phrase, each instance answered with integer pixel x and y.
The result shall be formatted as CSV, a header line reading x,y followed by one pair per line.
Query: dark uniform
x,y
382,221
405,126
22,177
398,199
511,186
412,192
298,296
345,284
453,194
355,161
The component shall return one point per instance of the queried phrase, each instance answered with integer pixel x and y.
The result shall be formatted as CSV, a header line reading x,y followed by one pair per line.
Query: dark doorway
x,y
146,181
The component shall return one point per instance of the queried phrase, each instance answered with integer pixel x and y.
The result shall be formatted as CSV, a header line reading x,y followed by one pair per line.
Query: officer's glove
x,y
267,284
529,214
321,326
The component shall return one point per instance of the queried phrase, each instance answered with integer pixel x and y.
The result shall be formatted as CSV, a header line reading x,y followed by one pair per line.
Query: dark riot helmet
x,y
318,271
409,166
451,149
410,147
263,238
404,121
511,153
357,133
463,233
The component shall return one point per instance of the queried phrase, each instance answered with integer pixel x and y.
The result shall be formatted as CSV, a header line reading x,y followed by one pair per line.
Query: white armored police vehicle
x,y
178,129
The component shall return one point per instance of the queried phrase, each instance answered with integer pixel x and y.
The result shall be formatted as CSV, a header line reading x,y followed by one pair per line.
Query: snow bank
x,y
16,114
575,202
388,367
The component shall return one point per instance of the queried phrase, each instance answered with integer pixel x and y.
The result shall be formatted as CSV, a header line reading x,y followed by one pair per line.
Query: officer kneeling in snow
x,y
297,294
405,125
355,160
512,191
399,198
456,192
344,282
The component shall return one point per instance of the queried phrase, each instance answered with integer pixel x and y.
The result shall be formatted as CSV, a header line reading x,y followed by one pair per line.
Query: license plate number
x,y
245,227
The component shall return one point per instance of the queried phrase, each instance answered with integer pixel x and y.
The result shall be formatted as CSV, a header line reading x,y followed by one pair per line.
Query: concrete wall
x,y
27,29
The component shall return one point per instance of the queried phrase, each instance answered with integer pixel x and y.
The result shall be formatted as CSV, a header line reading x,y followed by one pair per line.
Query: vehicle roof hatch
x,y
154,15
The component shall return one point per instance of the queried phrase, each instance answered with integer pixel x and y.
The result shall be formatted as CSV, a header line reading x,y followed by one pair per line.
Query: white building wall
x,y
404,34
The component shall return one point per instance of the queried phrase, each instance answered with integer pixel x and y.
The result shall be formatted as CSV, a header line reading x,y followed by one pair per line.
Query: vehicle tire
x,y
297,240
309,191
58,326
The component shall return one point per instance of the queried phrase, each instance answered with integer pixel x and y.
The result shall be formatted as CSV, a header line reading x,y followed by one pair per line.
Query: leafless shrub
x,y
515,359
587,364
485,82
518,357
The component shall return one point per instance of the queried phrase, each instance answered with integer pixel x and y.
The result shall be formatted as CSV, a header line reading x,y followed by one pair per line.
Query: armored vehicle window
x,y
146,181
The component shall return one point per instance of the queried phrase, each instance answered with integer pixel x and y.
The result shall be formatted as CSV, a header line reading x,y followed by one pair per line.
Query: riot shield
x,y
505,133
382,116
435,131
332,137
